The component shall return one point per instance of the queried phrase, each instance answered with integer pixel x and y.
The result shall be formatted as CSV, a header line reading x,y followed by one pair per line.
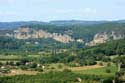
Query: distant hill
x,y
74,22
80,31
13,25
87,31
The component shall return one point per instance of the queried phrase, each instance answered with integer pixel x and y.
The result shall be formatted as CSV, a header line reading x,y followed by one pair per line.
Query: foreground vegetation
x,y
52,77
51,65
105,72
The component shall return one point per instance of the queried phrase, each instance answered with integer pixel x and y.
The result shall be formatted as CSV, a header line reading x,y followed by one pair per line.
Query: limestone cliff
x,y
104,37
26,33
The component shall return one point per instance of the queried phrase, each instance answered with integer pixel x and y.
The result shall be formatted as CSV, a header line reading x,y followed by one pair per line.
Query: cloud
x,y
75,11
89,11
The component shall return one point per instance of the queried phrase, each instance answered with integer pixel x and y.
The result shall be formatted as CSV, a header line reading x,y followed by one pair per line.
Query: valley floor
x,y
85,67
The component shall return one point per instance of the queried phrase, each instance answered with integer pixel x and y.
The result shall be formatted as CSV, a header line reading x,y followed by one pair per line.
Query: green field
x,y
100,71
10,57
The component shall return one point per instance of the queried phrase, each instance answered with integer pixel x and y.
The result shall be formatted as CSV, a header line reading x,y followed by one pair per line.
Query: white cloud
x,y
89,11
74,11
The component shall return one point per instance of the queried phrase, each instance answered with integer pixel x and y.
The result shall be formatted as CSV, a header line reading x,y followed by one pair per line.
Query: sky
x,y
47,10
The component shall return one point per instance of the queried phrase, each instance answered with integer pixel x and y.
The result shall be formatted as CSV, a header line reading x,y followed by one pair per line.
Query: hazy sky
x,y
45,10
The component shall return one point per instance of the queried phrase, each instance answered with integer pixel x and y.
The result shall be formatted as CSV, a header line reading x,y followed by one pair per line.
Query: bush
x,y
60,66
33,65
108,64
39,69
101,63
23,67
52,67
1,64
108,71
67,70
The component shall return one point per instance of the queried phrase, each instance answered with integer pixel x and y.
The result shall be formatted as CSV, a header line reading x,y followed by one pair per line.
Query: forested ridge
x,y
77,30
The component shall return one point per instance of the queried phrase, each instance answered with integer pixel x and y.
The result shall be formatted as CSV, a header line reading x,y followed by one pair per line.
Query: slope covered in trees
x,y
77,29
116,47
81,31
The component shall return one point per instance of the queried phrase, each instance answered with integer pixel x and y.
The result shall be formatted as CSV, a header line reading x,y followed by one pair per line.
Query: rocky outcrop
x,y
62,38
99,38
117,35
104,37
26,33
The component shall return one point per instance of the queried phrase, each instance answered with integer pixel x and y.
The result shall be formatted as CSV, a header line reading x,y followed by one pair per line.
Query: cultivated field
x,y
85,68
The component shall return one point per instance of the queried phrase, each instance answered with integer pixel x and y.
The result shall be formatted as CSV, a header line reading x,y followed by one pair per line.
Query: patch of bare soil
x,y
21,72
85,67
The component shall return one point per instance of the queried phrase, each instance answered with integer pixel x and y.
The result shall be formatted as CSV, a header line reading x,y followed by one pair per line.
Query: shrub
x,y
108,71
67,70
39,69
108,64
33,65
52,67
23,67
101,63
60,66
1,64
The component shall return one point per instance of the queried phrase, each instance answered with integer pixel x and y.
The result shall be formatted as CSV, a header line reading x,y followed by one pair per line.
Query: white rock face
x,y
25,33
22,33
117,36
104,37
99,38
63,38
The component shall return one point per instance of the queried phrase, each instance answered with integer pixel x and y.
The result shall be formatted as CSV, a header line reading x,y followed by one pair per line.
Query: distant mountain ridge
x,y
13,25
72,22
